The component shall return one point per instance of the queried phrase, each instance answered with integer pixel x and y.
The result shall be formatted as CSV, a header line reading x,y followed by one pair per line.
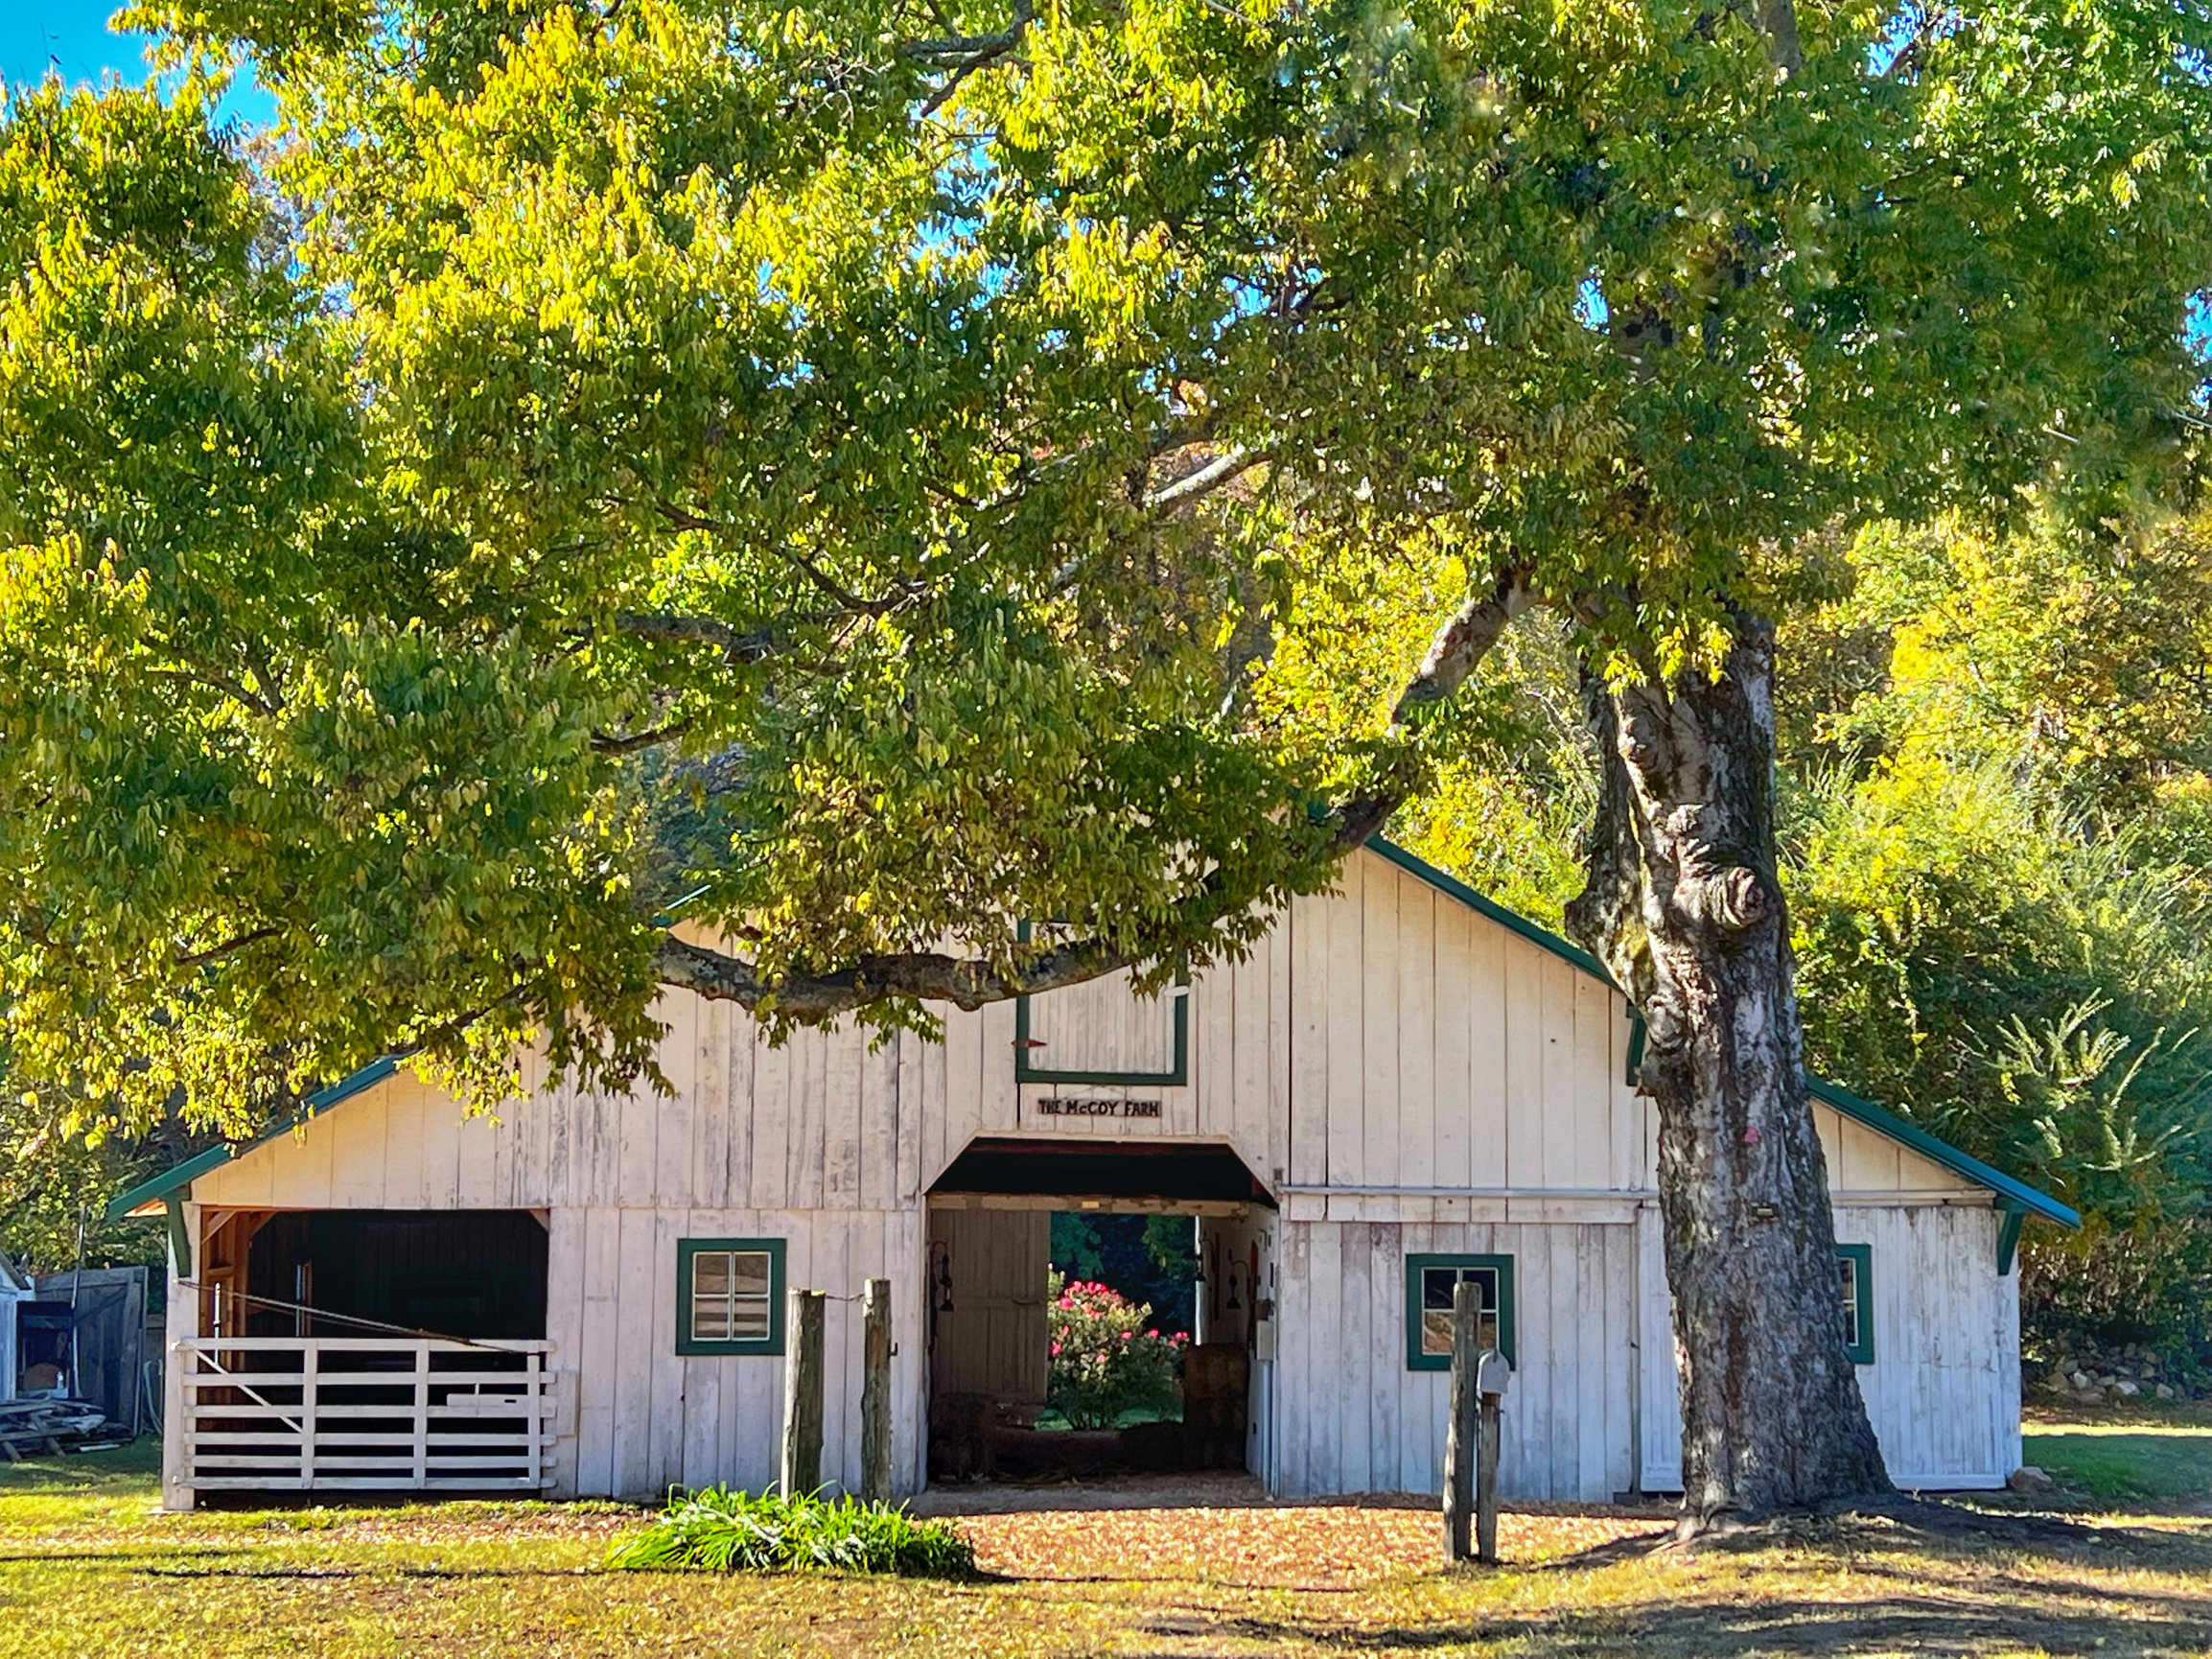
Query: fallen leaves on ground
x,y
1282,1546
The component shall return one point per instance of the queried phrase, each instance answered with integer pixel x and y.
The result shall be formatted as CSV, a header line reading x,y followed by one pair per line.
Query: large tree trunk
x,y
1683,905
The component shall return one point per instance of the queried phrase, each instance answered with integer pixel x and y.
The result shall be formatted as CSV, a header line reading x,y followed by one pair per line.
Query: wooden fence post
x,y
876,1394
1460,1432
803,1384
1490,1383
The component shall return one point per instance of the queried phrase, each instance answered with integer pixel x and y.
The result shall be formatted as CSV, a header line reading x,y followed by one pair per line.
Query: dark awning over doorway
x,y
1110,1175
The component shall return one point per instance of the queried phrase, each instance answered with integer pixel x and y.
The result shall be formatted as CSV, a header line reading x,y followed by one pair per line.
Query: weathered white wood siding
x,y
1352,1418
1434,1052
1238,1085
649,1418
820,1123
1943,1391
816,1142
1405,1073
1103,1026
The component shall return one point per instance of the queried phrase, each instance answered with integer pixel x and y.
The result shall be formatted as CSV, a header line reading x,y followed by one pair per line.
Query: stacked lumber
x,y
49,1425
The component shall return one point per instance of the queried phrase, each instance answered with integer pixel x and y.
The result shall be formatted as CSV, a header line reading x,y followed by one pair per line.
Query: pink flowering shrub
x,y
1105,1357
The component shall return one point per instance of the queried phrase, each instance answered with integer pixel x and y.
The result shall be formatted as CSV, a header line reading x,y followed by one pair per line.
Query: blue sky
x,y
73,36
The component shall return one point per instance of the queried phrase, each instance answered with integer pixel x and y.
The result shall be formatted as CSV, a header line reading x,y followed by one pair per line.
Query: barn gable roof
x,y
2015,1196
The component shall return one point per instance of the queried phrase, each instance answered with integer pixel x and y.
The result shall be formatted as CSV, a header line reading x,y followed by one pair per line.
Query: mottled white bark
x,y
1683,907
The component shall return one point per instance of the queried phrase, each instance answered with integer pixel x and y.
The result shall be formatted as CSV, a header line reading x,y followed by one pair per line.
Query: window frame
x,y
1176,1076
1417,1358
1861,1256
688,1253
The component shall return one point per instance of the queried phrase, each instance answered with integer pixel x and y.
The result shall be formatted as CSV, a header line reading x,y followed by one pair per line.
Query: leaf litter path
x,y
1282,1546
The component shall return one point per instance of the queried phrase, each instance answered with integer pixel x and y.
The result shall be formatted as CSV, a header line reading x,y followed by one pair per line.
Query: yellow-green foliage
x,y
603,455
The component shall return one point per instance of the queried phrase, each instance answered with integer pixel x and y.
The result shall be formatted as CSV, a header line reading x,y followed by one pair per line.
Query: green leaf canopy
x,y
854,469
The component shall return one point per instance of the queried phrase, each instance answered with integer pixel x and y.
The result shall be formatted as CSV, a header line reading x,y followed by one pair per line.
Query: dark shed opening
x,y
447,1272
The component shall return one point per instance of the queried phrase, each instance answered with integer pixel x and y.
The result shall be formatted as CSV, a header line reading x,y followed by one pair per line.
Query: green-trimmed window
x,y
1855,1263
730,1295
1430,1280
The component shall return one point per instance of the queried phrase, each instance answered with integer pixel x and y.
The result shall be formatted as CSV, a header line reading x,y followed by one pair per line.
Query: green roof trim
x,y
178,1177
2011,1195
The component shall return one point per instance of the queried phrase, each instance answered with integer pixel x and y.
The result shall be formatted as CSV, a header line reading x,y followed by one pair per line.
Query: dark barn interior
x,y
441,1272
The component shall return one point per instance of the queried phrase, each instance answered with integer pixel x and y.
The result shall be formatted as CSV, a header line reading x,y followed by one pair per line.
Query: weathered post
x,y
803,1394
1490,1384
875,1393
1460,1482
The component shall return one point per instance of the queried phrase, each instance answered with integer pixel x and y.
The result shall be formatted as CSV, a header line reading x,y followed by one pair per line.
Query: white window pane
x,y
711,1318
749,1319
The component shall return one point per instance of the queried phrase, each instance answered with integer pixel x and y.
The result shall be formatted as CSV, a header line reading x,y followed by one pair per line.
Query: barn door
x,y
1104,1032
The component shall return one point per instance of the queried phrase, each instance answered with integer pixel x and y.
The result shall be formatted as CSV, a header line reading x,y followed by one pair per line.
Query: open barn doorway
x,y
364,1350
1023,1388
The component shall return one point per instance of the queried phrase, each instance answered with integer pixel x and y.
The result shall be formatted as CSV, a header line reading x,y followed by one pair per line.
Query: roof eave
x,y
2011,1194
177,1179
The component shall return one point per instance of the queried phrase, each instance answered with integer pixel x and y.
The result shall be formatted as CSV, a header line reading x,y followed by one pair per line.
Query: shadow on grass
x,y
1917,1625
136,1464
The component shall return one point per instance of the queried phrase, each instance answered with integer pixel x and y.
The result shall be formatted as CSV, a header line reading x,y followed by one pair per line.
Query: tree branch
x,y
953,48
1606,917
214,952
1203,480
213,679
630,743
1462,643
680,629
969,983
1777,21
970,53
685,519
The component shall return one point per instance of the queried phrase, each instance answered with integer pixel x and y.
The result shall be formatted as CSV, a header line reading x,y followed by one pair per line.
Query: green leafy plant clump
x,y
727,1532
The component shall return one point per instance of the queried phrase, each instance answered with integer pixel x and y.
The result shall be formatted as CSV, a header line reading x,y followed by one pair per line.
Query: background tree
x,y
1993,782
848,468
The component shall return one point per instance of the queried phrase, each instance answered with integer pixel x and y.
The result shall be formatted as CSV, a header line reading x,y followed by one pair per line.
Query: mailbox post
x,y
1470,1437
1490,1382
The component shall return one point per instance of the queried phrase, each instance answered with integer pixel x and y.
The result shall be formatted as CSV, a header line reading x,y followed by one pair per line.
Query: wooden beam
x,y
803,1327
2009,1240
1095,1203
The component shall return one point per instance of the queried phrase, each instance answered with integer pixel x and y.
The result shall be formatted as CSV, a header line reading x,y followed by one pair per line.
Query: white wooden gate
x,y
364,1413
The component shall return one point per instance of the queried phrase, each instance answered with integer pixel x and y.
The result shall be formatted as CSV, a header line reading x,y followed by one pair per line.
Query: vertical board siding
x,y
1352,1418
649,1418
1942,1392
1103,1026
1399,1061
993,1342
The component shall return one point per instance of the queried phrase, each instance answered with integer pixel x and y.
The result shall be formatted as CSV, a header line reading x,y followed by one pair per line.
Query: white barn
x,y
1403,1083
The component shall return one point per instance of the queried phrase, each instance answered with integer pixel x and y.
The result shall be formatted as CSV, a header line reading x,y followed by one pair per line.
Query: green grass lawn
x,y
90,1566
2163,1459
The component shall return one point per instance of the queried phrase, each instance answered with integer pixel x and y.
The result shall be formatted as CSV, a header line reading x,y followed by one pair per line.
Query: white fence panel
x,y
364,1414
